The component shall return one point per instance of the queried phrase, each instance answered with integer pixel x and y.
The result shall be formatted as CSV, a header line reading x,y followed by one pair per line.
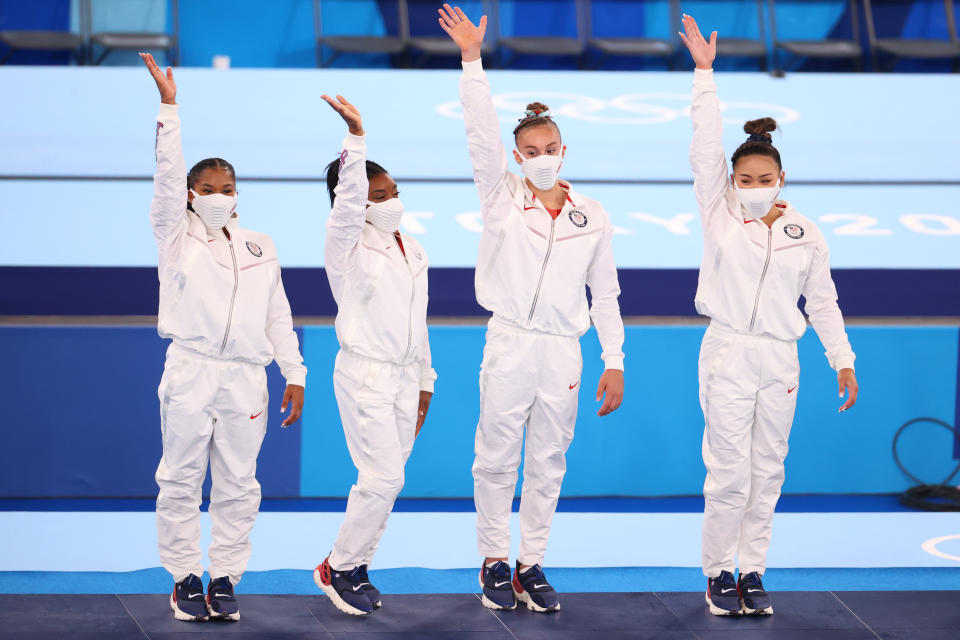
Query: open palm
x,y
703,52
349,113
466,35
165,83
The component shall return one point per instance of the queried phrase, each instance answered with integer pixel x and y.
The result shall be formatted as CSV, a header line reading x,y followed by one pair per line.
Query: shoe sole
x,y
768,611
490,604
524,597
717,611
233,617
335,598
180,614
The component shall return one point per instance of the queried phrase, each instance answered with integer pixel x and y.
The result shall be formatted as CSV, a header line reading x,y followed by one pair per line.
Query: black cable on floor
x,y
928,497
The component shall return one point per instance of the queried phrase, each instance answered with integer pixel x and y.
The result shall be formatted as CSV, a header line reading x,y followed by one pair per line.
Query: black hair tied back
x,y
759,142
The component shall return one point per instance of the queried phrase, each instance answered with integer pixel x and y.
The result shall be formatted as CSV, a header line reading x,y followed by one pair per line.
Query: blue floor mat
x,y
418,580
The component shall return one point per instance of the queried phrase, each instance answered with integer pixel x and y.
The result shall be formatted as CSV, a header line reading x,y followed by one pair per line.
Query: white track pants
x,y
748,393
533,380
378,404
216,411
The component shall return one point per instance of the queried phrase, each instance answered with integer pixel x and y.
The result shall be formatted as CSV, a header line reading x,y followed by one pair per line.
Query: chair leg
x,y
8,56
103,55
956,64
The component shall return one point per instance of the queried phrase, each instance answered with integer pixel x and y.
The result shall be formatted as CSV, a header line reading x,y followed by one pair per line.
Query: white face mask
x,y
542,170
214,209
757,202
385,215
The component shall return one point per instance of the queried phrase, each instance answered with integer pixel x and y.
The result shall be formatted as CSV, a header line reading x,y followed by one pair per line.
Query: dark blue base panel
x,y
926,615
879,503
76,291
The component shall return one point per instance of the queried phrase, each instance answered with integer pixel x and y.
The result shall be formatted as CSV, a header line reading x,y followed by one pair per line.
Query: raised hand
x,y
465,34
349,113
165,83
703,52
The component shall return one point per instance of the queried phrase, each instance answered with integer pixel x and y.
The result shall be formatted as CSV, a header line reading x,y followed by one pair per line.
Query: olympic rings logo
x,y
930,546
630,108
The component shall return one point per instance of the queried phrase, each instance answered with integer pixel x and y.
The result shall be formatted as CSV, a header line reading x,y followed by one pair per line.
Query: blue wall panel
x,y
651,446
81,415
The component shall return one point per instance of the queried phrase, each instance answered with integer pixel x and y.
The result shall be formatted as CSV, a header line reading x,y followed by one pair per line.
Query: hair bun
x,y
760,129
536,108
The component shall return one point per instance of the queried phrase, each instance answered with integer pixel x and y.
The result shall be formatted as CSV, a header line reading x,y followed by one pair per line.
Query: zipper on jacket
x,y
543,269
413,294
233,296
763,274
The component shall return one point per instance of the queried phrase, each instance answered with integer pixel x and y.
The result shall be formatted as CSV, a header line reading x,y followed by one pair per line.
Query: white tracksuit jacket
x,y
750,281
532,271
384,360
222,303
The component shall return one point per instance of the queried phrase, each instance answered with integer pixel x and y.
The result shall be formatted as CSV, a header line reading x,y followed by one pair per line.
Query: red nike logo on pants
x,y
256,416
574,384
791,390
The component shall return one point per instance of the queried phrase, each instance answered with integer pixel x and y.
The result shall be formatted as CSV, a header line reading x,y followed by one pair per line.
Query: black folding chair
x,y
747,47
916,48
836,48
428,46
388,44
637,46
110,41
45,40
547,45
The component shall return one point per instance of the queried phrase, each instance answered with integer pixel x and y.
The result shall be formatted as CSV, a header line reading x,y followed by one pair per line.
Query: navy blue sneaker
x,y
753,598
344,588
372,592
497,588
220,600
722,595
187,600
530,586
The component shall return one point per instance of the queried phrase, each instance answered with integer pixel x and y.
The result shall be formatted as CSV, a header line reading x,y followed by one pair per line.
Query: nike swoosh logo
x,y
791,390
574,384
358,587
194,595
754,590
256,416
497,585
726,590
537,586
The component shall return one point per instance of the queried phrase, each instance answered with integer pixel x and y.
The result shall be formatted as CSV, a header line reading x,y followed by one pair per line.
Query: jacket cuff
x,y
703,77
426,379
472,68
298,378
354,143
844,362
613,362
168,111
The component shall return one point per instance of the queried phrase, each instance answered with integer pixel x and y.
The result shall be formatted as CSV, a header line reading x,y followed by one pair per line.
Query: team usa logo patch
x,y
254,249
794,231
577,218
